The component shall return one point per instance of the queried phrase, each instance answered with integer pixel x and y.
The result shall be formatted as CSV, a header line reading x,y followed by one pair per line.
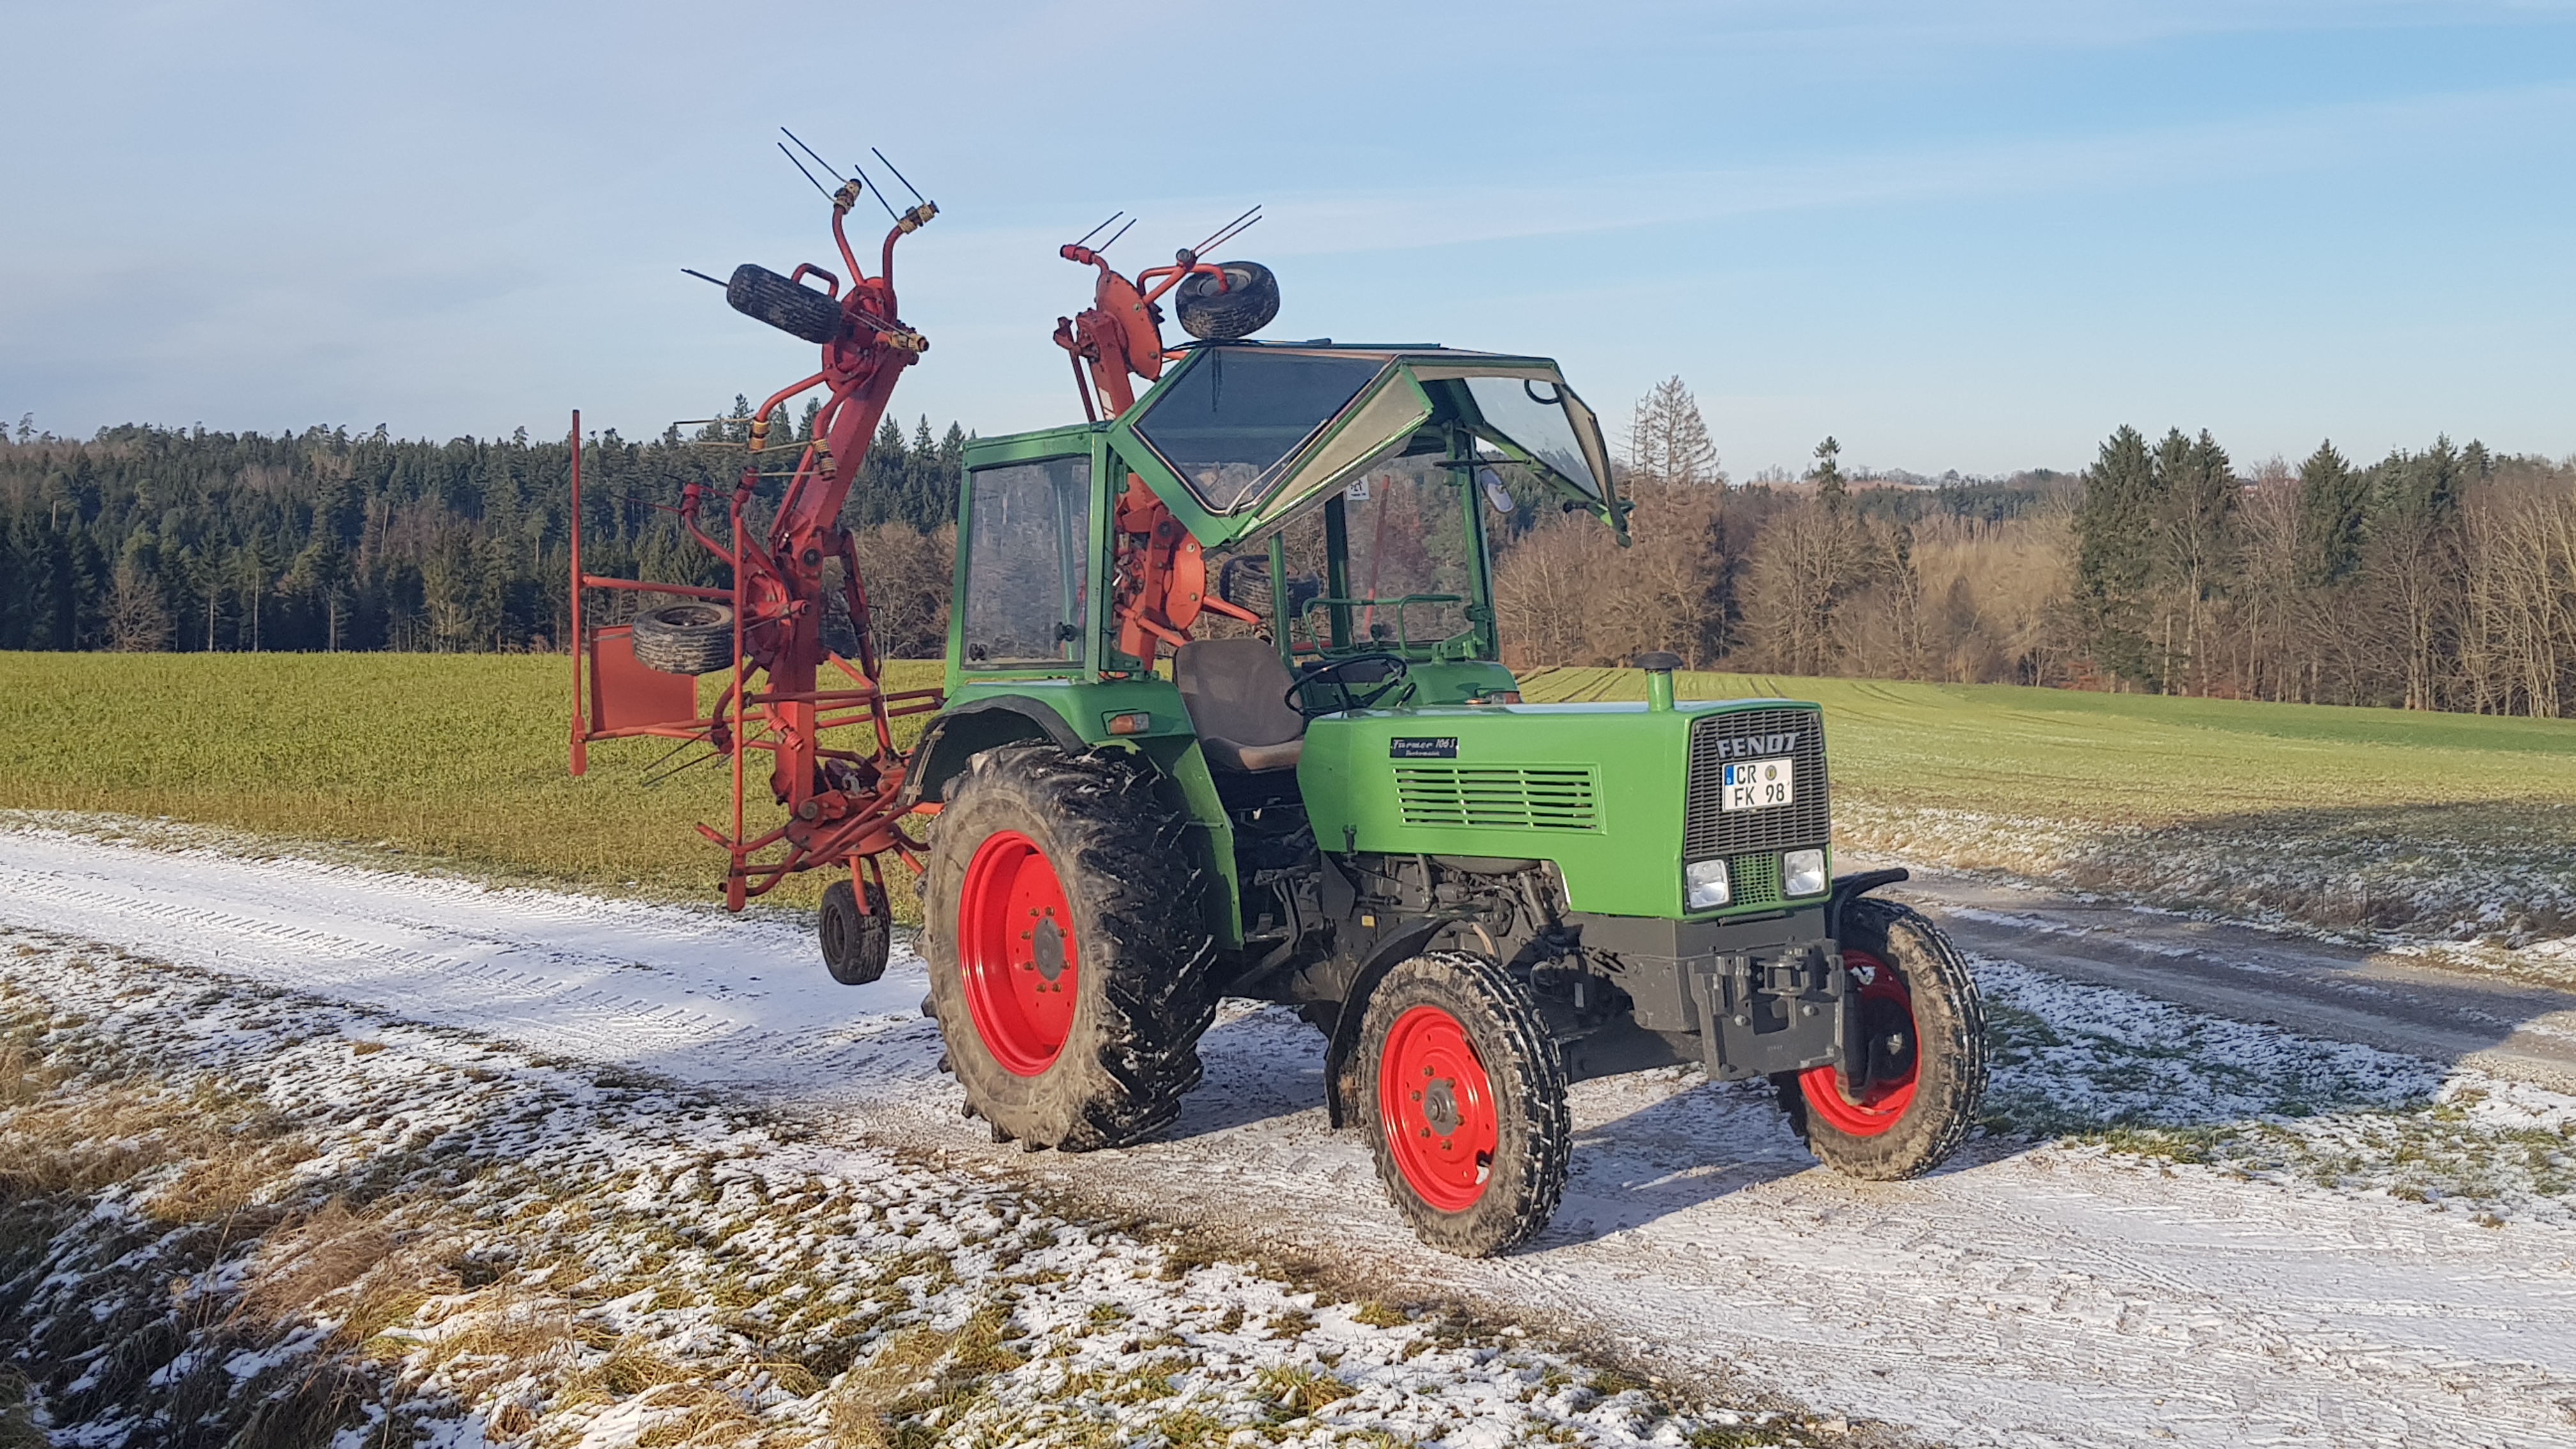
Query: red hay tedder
x,y
766,631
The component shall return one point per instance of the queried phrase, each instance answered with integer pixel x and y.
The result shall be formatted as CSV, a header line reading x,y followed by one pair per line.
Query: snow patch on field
x,y
2486,888
2116,1072
485,1245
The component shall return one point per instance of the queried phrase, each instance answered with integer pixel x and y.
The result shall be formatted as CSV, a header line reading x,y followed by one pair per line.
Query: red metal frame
x,y
840,803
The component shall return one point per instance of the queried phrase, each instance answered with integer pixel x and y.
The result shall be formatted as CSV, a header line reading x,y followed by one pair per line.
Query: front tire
x,y
1925,1030
1469,1122
1067,947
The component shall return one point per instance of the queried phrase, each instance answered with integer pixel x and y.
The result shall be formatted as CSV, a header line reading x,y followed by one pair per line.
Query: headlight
x,y
1802,873
1704,884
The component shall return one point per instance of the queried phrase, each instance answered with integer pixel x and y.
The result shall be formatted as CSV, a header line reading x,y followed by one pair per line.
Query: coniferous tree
x,y
2115,554
2334,513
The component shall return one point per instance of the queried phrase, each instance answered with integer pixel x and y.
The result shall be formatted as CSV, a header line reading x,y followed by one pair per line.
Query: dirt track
x,y
2350,993
2025,1296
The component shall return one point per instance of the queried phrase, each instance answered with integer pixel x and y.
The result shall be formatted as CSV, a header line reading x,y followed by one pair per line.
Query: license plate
x,y
1759,785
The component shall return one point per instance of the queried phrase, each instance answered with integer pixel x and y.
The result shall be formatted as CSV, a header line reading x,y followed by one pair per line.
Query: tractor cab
x,y
1338,501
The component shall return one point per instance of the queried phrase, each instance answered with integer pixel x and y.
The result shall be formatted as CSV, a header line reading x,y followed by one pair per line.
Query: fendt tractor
x,y
1225,716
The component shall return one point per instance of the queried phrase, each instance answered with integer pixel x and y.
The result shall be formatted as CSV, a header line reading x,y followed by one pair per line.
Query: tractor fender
x,y
1849,888
964,731
1341,1085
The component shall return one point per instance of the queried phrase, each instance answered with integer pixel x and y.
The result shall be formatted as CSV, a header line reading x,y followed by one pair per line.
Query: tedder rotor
x,y
785,692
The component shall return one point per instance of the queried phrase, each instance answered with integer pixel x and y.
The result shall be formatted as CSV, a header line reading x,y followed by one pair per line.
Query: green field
x,y
2464,825
2136,759
456,757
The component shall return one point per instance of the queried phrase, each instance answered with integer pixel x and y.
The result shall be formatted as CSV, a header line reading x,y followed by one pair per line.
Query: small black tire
x,y
764,296
691,638
1248,303
855,946
1522,1178
1947,1020
1133,936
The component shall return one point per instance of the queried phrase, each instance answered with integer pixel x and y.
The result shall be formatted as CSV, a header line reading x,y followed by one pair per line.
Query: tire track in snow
x,y
2022,1297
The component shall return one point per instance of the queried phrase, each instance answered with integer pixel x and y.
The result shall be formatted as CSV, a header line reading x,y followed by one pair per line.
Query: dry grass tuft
x,y
1302,1390
17,1422
228,1175
916,1370
304,1262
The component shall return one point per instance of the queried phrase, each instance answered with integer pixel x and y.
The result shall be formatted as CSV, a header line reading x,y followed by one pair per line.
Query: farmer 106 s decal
x,y
1225,717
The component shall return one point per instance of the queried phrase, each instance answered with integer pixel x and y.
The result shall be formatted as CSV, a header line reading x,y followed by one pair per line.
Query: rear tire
x,y
1067,946
1248,303
691,638
855,946
1926,1027
1466,1096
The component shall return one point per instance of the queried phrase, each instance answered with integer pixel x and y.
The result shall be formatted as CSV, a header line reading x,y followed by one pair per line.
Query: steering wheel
x,y
1330,676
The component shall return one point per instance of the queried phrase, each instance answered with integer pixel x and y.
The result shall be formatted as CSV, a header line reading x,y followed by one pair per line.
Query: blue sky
x,y
1974,236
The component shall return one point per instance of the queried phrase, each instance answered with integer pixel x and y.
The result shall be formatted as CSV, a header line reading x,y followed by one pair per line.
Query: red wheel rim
x,y
1886,1009
1016,951
1436,1106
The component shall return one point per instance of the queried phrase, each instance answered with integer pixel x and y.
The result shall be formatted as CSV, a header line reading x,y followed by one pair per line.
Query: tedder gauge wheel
x,y
1068,950
692,638
855,946
1926,1033
1467,1092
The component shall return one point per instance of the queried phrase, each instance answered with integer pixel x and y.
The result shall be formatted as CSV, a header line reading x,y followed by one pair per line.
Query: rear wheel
x,y
1924,1072
855,945
1068,952
1468,1090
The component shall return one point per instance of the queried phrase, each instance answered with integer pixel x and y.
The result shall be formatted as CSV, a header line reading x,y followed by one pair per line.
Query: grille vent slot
x,y
1708,831
1755,879
1500,797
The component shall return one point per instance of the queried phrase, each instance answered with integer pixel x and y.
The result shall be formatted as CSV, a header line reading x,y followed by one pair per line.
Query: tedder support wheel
x,y
855,946
1467,1097
1068,951
691,638
1926,1034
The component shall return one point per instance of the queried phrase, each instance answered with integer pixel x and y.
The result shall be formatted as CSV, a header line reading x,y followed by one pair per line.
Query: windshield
x,y
1405,580
1028,536
1234,414
1532,414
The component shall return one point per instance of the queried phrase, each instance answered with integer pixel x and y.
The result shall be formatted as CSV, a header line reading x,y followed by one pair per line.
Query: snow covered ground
x,y
2487,887
530,1249
2178,1229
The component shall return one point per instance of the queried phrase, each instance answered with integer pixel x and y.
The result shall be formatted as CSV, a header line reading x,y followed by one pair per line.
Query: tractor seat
x,y
1237,694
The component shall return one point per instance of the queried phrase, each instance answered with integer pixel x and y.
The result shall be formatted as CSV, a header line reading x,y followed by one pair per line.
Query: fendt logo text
x,y
1743,745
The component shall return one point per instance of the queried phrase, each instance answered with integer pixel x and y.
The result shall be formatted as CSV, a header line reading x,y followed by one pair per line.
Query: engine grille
x,y
1756,879
1710,831
1511,797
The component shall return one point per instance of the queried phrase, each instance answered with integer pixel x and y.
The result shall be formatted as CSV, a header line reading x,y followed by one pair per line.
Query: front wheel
x,y
1470,1126
1923,1070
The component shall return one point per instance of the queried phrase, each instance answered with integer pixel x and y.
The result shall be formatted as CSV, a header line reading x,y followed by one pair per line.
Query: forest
x,y
148,538
2436,578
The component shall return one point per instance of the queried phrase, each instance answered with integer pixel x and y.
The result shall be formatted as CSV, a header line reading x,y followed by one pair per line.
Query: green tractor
x,y
1226,717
